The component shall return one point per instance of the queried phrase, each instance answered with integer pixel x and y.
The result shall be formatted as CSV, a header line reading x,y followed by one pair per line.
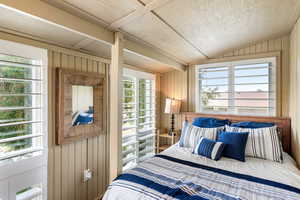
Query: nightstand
x,y
170,140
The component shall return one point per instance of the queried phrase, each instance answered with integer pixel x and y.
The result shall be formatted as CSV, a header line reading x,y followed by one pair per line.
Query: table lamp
x,y
172,107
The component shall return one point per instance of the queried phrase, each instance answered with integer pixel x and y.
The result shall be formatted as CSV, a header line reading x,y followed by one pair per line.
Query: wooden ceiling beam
x,y
83,43
136,48
44,12
139,12
49,14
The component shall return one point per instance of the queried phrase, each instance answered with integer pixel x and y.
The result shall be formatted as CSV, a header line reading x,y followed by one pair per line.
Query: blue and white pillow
x,y
262,142
209,148
190,134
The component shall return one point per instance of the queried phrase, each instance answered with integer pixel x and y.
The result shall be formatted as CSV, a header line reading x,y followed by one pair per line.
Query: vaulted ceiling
x,y
190,30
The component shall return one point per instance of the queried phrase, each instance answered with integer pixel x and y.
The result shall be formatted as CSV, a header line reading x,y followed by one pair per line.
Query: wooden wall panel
x,y
295,90
173,85
157,100
191,88
67,162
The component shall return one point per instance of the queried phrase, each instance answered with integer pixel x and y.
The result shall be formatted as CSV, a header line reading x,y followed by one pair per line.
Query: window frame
x,y
274,63
32,170
138,75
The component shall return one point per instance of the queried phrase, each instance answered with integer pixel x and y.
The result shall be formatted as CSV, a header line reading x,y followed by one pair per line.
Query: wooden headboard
x,y
284,124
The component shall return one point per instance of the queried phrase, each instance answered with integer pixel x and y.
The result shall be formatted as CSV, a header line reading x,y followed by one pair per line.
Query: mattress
x,y
176,173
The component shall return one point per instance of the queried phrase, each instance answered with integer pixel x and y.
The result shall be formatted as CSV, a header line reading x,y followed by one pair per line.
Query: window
x,y
242,87
20,107
138,130
23,119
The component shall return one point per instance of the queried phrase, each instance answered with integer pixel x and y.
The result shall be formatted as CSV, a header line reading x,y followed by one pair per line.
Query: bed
x,y
176,173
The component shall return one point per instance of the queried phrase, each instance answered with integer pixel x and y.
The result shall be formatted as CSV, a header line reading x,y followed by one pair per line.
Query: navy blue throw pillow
x,y
208,122
209,148
235,144
252,124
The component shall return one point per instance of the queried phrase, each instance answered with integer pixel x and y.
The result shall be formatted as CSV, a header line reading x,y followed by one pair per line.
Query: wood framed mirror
x,y
80,100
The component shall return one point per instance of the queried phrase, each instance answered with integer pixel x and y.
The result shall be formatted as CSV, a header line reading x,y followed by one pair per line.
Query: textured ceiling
x,y
151,30
190,30
215,26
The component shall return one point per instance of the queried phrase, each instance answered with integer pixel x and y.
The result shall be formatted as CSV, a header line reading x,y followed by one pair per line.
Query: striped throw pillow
x,y
262,142
190,135
209,148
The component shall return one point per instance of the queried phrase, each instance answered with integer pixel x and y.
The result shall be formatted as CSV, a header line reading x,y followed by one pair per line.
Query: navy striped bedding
x,y
167,177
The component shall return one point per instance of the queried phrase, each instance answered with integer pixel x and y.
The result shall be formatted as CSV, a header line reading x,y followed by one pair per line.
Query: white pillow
x,y
191,134
262,142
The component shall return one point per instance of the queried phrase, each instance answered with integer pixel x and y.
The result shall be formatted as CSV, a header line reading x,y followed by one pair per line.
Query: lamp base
x,y
171,133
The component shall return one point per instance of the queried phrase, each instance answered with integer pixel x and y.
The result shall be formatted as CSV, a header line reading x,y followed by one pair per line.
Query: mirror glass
x,y
82,105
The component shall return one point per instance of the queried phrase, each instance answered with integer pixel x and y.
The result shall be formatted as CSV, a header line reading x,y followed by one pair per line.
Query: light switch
x,y
87,175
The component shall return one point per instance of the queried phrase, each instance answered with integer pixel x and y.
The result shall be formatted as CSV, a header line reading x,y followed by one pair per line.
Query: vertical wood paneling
x,y
71,150
83,143
67,162
295,90
65,149
77,152
265,46
252,49
157,100
50,129
296,94
191,87
173,85
91,193
285,80
57,149
236,52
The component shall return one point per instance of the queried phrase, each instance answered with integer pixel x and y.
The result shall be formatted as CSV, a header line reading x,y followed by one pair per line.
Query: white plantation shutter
x,y
138,117
21,104
146,115
241,87
129,126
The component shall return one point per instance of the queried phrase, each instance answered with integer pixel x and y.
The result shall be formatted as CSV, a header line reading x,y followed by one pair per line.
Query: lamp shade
x,y
172,106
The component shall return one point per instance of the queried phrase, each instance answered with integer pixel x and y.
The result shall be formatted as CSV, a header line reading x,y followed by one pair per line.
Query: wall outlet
x,y
87,175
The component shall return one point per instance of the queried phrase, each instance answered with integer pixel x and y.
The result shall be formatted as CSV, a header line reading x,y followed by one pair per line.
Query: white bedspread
x,y
285,173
